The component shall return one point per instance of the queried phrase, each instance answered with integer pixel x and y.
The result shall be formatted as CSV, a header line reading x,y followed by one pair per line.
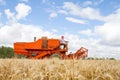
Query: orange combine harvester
x,y
47,48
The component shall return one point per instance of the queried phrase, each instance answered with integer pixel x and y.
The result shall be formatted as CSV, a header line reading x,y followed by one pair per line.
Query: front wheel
x,y
56,56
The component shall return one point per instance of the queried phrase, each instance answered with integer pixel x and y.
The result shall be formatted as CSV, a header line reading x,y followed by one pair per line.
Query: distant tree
x,y
111,58
90,58
6,52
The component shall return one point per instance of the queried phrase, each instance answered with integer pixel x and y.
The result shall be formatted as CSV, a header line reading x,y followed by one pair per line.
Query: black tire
x,y
55,56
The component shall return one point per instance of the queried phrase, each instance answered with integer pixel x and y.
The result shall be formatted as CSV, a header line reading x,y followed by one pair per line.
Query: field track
x,y
26,69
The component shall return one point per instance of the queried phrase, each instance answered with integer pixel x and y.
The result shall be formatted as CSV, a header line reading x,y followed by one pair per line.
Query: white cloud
x,y
20,32
98,2
2,2
62,11
22,10
0,13
10,15
87,32
54,30
53,15
87,12
91,13
74,20
110,31
70,8
113,18
92,3
87,3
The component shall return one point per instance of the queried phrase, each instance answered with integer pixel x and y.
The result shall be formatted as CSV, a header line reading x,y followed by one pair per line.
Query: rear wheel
x,y
55,56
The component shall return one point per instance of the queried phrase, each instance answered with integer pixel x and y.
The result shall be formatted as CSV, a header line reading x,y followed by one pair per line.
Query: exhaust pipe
x,y
34,39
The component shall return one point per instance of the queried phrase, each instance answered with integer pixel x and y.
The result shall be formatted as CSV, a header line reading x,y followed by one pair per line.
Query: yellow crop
x,y
26,69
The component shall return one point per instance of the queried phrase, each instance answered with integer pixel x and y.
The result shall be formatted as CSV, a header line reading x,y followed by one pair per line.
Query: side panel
x,y
34,45
21,47
53,43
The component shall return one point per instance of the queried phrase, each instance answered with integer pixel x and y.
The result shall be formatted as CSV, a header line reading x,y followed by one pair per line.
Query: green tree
x,y
6,52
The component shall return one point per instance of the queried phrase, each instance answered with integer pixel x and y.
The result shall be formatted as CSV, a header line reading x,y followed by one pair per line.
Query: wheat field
x,y
26,69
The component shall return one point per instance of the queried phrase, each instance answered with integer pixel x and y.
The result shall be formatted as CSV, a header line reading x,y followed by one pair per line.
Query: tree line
x,y
92,58
6,52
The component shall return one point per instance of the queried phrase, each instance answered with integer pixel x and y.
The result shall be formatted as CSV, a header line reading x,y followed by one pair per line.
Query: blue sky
x,y
94,24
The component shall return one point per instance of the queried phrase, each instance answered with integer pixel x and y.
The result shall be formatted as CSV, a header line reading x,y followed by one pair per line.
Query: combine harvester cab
x,y
46,48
